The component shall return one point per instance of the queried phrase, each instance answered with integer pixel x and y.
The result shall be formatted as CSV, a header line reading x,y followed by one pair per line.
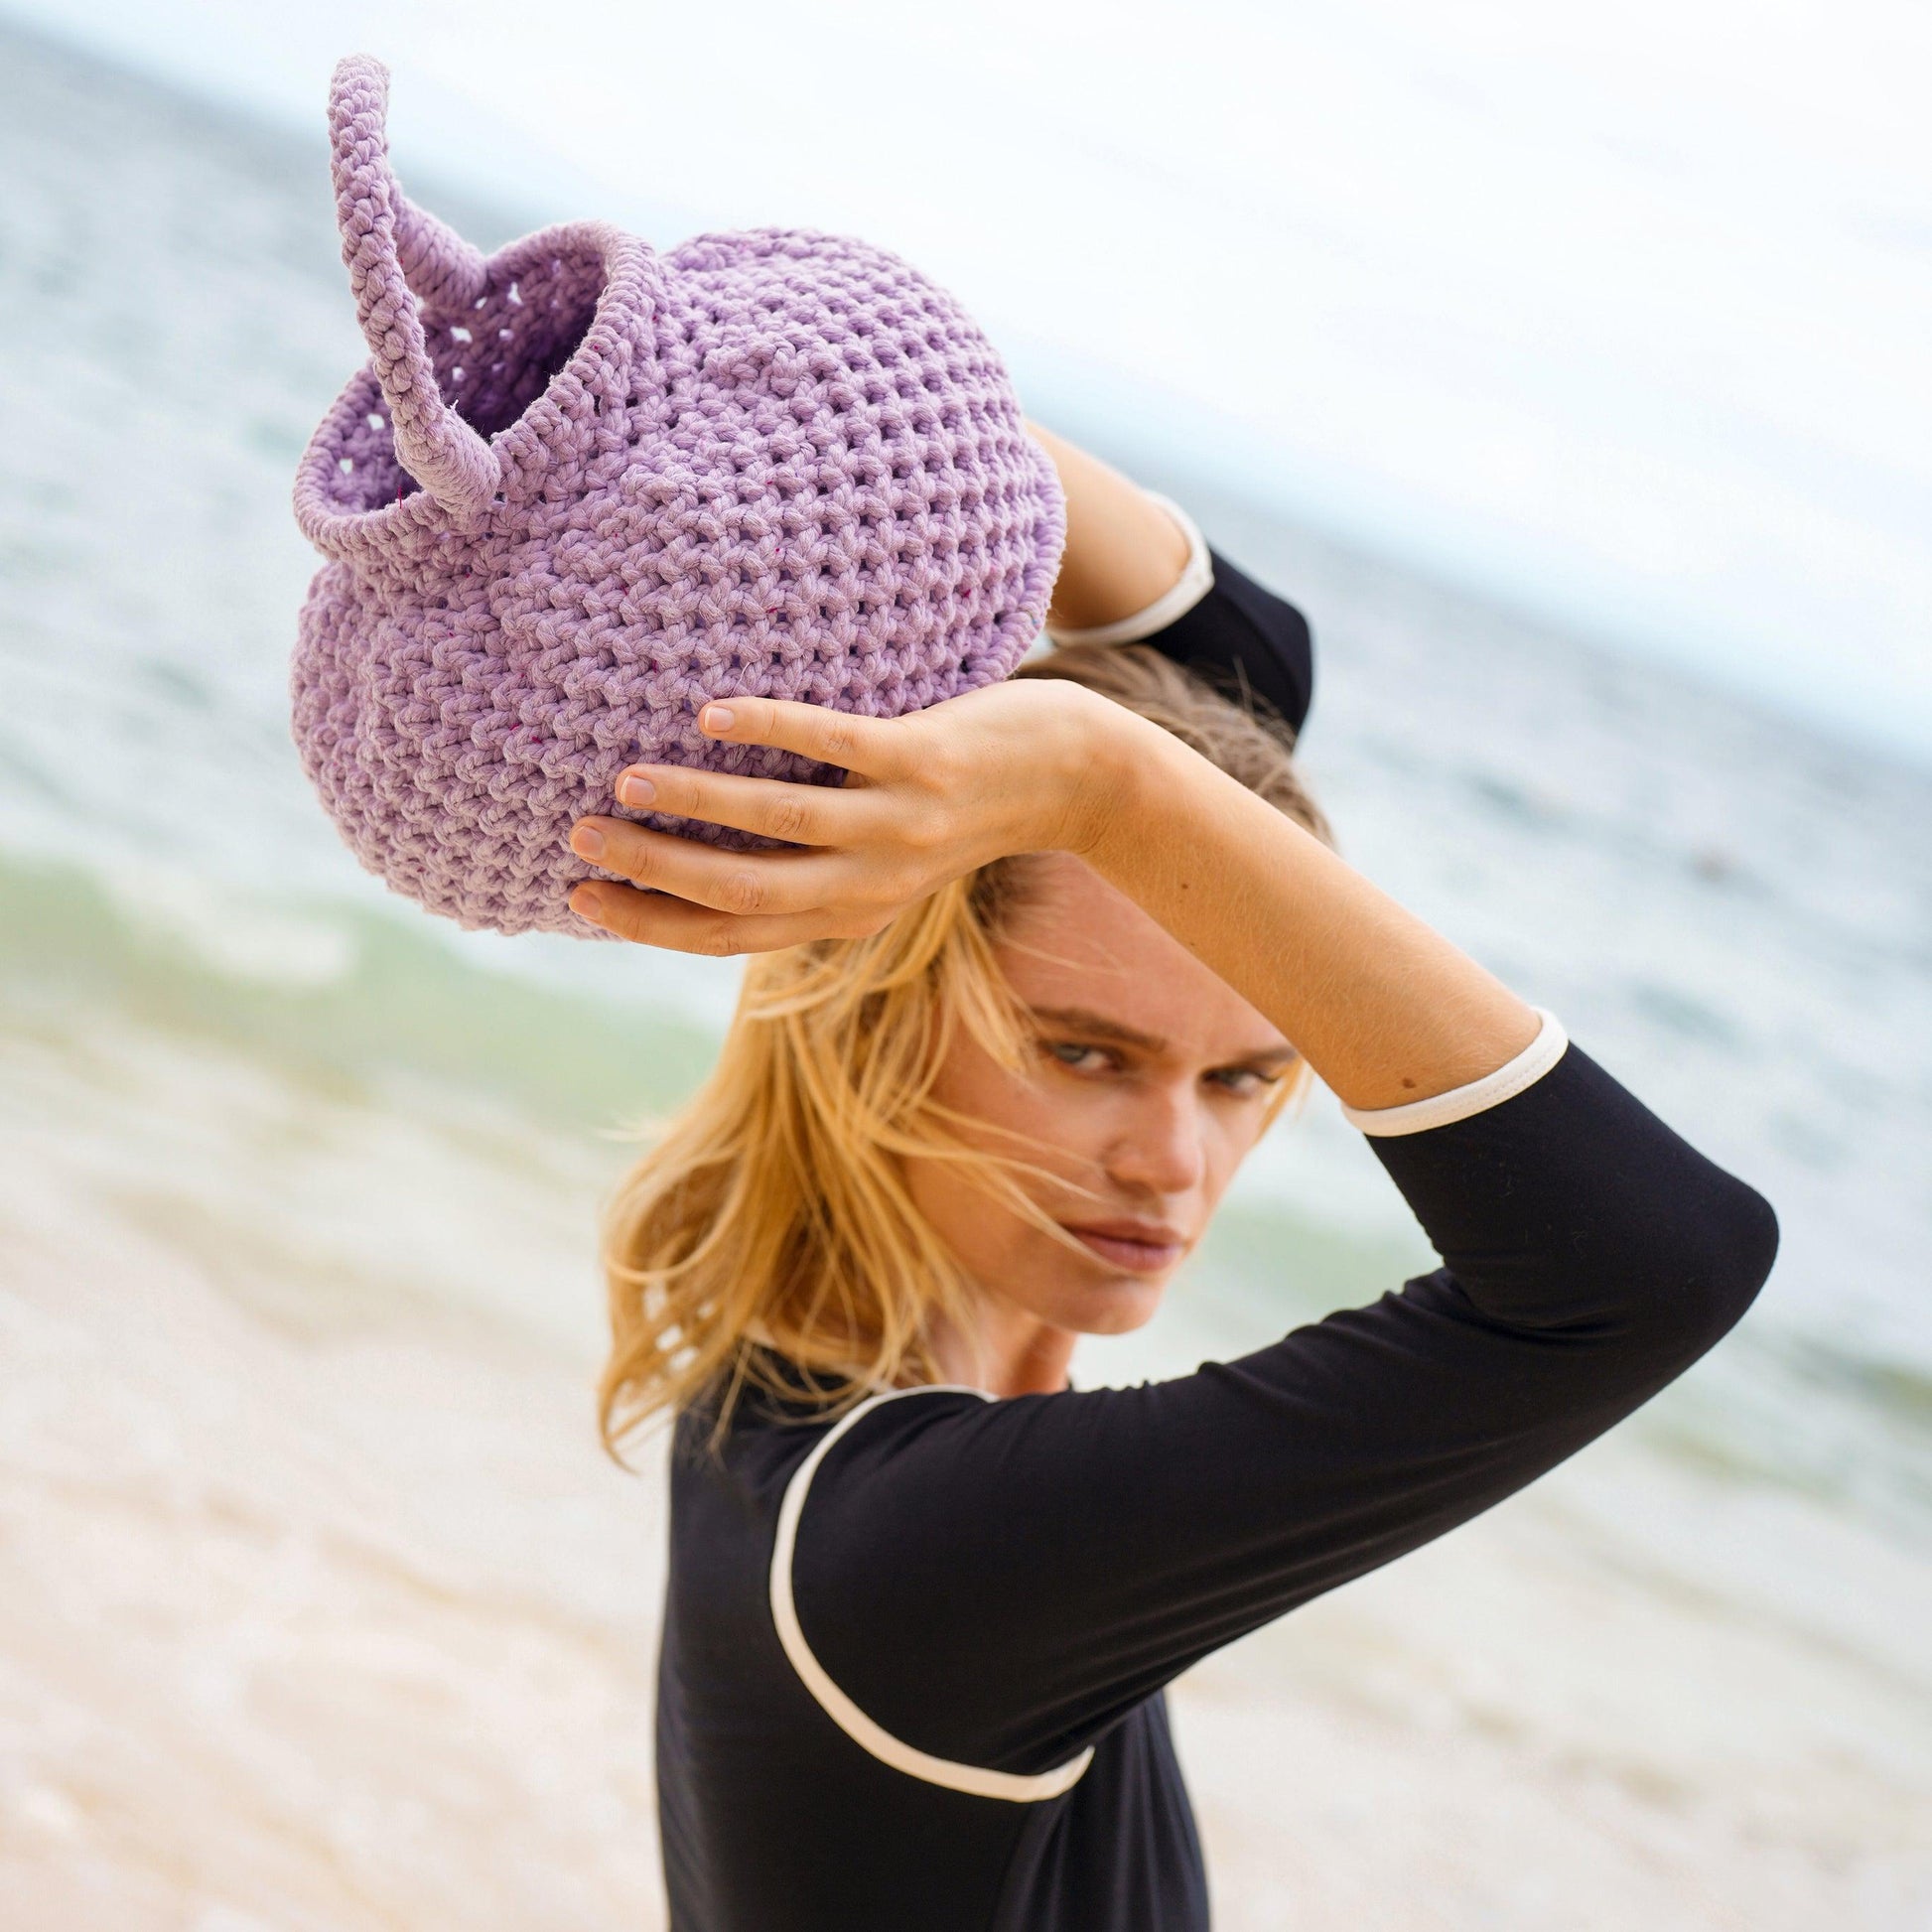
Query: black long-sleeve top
x,y
913,1662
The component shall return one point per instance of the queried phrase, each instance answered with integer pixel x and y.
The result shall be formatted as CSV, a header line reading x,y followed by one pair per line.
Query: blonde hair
x,y
768,1237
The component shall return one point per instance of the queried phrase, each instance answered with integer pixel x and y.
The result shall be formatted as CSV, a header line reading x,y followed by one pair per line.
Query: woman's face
x,y
1149,1081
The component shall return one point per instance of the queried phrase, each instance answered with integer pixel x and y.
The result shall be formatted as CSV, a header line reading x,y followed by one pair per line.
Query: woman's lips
x,y
1137,1250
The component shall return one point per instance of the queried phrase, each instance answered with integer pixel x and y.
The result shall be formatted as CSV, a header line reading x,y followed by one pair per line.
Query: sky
x,y
1619,315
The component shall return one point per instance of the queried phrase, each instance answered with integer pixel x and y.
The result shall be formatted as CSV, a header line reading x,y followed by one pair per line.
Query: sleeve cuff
x,y
1439,1110
1197,579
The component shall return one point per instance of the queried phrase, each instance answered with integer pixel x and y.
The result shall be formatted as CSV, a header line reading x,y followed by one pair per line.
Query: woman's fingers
x,y
868,746
798,814
938,793
658,919
742,882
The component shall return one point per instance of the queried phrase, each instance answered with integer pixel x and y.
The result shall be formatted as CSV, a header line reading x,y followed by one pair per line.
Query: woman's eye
x,y
1242,1080
1082,1059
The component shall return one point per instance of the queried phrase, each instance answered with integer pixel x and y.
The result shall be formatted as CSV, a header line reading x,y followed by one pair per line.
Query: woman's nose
x,y
1160,1148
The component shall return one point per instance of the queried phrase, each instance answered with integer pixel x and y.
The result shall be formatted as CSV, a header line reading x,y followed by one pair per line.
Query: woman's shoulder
x,y
770,1430
852,1480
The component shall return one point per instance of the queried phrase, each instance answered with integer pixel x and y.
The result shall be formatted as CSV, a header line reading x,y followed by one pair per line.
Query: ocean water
x,y
1732,907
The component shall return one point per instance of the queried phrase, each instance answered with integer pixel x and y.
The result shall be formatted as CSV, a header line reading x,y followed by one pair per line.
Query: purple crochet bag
x,y
582,488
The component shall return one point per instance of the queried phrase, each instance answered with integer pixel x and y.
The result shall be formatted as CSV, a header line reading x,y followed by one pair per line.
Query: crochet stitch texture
x,y
582,488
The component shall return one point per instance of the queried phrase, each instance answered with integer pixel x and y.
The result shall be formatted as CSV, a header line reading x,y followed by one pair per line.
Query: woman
x,y
1027,990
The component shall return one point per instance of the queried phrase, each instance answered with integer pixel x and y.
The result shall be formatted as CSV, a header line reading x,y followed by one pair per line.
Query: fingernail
x,y
586,901
715,717
587,842
633,790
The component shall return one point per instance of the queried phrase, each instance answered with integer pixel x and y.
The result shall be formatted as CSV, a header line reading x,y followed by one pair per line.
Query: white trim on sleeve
x,y
1197,579
832,1700
1459,1103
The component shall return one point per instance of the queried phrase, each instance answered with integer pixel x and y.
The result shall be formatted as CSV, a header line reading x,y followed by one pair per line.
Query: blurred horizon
x,y
1639,353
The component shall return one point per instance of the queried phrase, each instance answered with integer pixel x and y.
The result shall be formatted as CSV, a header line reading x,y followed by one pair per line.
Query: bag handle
x,y
395,255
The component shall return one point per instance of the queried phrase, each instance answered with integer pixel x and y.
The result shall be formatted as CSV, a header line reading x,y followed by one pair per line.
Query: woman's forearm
x,y
1385,1008
1123,552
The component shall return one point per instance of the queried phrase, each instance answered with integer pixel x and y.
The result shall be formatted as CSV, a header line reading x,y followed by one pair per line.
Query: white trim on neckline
x,y
881,1743
1477,1097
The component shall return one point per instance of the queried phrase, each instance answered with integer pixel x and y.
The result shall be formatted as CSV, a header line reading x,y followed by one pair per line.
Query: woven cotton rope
x,y
583,486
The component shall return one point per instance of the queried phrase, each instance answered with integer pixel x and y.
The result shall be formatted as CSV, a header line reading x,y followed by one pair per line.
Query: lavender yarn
x,y
582,488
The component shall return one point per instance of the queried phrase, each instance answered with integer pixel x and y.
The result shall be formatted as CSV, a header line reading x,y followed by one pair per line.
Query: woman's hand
x,y
1385,1010
929,796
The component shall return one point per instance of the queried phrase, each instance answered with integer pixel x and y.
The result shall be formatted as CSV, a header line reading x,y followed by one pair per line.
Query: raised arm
x,y
996,1582
1385,1010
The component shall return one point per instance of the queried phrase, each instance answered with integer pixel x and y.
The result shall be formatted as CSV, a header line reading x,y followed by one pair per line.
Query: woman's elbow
x,y
1716,1255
